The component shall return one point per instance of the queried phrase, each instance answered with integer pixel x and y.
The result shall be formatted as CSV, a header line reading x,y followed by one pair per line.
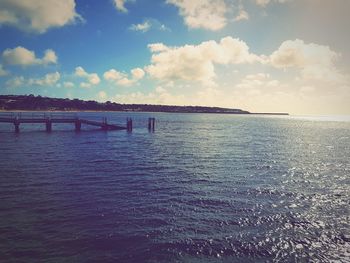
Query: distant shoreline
x,y
76,111
270,113
31,103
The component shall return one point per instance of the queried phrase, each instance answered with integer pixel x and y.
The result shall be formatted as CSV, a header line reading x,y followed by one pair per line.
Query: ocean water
x,y
201,188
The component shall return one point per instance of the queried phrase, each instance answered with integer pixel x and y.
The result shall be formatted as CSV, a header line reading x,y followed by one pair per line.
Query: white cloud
x,y
3,72
164,28
24,57
144,27
257,82
158,96
48,80
316,62
311,81
196,62
296,53
49,57
242,14
157,47
101,96
137,73
91,79
113,75
125,82
36,15
270,95
148,24
68,84
80,72
122,79
264,3
120,5
307,89
207,14
261,92
19,56
15,82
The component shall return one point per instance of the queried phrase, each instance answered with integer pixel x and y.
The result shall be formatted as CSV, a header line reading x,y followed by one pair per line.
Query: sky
x,y
258,55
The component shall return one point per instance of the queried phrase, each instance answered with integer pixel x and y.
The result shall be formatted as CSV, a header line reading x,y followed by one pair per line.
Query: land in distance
x,y
38,103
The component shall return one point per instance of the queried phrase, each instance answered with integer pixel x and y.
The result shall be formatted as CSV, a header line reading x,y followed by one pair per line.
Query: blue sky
x,y
258,55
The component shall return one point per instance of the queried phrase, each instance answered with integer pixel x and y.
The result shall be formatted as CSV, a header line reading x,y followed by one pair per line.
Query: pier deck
x,y
49,118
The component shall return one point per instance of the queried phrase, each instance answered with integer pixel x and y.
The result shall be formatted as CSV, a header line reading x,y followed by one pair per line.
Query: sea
x,y
199,188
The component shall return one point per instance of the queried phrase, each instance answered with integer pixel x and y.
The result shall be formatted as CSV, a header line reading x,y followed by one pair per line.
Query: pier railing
x,y
18,118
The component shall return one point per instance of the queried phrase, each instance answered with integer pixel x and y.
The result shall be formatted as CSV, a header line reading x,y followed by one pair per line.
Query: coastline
x,y
195,112
31,103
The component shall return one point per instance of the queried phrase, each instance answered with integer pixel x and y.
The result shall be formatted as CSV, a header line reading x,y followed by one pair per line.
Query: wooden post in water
x,y
48,125
104,124
77,125
16,123
151,124
129,124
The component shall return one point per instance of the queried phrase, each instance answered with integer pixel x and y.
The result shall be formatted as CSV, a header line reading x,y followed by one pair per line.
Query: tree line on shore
x,y
39,103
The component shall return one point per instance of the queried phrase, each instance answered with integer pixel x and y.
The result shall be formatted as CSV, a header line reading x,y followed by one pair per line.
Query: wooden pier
x,y
50,118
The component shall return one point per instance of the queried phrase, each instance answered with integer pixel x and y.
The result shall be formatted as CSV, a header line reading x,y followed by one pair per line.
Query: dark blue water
x,y
201,188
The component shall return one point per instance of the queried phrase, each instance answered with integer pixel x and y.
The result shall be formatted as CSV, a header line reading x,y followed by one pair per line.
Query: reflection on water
x,y
202,188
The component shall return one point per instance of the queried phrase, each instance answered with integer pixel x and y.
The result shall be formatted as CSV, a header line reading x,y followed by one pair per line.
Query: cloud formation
x,y
120,5
143,27
196,62
315,61
91,79
3,72
159,96
48,80
24,57
137,73
242,15
149,24
206,14
68,84
36,15
101,96
15,82
264,3
256,83
296,53
122,79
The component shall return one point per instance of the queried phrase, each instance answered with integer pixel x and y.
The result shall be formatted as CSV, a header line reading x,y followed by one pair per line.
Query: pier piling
x,y
77,125
16,123
48,125
129,124
104,124
151,124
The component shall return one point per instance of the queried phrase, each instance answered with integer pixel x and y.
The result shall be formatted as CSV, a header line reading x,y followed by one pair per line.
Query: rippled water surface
x,y
201,188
